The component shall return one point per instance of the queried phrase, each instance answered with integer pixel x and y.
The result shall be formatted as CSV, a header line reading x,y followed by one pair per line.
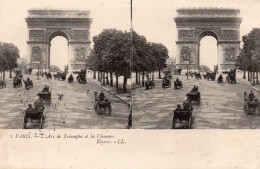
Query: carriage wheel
x,y
108,110
190,122
41,122
98,110
24,123
173,124
95,107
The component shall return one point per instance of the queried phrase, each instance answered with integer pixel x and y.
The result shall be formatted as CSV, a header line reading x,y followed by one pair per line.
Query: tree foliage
x,y
249,58
9,54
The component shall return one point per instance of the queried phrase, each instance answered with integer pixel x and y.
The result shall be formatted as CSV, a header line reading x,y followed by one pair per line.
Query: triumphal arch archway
x,y
195,23
44,25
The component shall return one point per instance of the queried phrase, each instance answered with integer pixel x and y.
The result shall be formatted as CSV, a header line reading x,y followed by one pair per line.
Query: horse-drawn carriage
x,y
251,104
197,75
28,84
81,78
183,115
2,84
48,75
231,78
177,71
36,114
45,96
177,84
166,82
102,106
194,96
220,79
149,84
210,76
19,74
70,79
60,76
17,82
168,74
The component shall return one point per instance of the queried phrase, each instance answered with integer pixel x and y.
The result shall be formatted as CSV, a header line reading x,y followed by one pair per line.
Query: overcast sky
x,y
151,18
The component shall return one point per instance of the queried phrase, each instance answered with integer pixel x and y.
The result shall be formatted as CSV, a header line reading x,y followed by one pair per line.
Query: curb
x,y
249,85
110,92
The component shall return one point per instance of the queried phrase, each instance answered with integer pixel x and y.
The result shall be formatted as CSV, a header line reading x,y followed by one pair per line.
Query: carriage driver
x,y
30,108
45,89
178,108
220,78
186,104
251,95
177,80
195,89
101,96
38,104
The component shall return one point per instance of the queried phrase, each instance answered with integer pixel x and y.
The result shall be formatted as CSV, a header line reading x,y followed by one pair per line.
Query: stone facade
x,y
195,23
44,25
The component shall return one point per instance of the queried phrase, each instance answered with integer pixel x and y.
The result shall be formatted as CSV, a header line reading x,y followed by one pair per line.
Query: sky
x,y
151,18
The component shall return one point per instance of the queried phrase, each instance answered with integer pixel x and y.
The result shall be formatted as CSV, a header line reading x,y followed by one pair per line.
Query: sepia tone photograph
x,y
200,69
60,66
73,72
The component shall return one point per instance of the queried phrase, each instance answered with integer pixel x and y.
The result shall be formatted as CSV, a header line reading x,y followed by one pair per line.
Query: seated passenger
x,y
177,80
251,96
194,90
30,108
45,89
101,96
178,108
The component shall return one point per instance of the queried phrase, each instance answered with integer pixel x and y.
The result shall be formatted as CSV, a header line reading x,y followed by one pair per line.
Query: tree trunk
x,y
98,76
10,73
159,74
107,81
111,79
101,77
244,74
116,82
187,73
152,76
143,79
125,83
94,74
104,78
139,76
136,77
4,75
256,78
253,79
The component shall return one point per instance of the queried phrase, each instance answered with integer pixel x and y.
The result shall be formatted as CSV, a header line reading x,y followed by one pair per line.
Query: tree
x,y
9,54
160,54
112,51
249,56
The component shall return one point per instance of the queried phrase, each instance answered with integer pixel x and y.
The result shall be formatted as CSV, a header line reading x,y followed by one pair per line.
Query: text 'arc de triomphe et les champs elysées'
x,y
195,23
44,25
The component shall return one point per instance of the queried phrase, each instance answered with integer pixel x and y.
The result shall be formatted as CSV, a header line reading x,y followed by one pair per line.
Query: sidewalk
x,y
125,97
246,82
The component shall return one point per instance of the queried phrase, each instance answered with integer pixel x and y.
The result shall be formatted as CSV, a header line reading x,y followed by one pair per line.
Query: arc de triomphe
x,y
44,25
195,23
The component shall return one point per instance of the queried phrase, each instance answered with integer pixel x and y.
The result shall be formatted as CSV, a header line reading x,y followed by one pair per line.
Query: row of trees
x,y
120,53
9,54
249,57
